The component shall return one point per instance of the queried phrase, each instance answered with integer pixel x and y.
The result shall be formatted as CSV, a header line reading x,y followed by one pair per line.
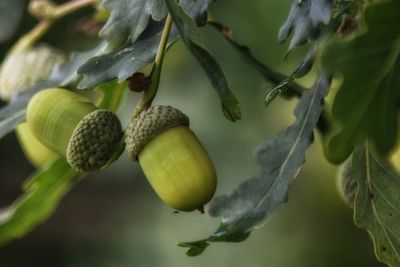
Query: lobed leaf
x,y
365,105
189,34
129,18
67,73
376,203
253,202
123,62
304,20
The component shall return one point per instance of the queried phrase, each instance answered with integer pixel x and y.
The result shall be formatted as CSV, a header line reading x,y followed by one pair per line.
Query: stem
x,y
33,36
151,91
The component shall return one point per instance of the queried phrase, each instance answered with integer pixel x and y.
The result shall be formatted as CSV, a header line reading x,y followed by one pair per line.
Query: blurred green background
x,y
113,219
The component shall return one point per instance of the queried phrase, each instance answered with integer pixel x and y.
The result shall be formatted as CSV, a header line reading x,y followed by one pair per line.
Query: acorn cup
x,y
74,128
172,158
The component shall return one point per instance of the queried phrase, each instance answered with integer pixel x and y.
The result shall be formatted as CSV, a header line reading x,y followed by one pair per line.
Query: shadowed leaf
x,y
365,105
189,33
253,202
122,63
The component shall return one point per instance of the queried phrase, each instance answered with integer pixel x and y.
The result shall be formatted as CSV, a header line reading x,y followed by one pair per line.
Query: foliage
x,y
351,42
377,199
252,202
366,103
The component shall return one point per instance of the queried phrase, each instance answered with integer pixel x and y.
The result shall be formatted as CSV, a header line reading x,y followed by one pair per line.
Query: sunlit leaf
x,y
365,105
252,202
376,203
189,33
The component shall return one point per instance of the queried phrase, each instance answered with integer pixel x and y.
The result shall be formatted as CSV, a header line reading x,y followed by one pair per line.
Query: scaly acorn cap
x,y
94,140
23,67
150,123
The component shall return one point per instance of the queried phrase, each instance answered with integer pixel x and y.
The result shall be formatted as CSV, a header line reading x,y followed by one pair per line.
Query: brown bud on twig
x,y
138,82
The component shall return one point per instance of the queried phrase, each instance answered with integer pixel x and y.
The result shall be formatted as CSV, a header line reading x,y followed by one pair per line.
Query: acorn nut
x,y
74,128
172,158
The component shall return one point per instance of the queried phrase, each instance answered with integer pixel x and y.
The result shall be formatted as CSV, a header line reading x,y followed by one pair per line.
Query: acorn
x,y
36,153
172,158
70,125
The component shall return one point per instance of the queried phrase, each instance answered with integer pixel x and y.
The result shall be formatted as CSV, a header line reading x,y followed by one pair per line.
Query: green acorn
x,y
35,152
23,67
172,158
73,127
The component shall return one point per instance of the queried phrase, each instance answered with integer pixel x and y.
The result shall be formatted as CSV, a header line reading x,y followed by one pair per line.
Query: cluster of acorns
x,y
68,124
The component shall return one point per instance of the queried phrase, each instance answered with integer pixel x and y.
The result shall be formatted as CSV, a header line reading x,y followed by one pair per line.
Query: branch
x,y
152,89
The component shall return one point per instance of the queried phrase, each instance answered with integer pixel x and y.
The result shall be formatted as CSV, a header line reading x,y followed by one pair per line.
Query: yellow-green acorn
x,y
36,153
73,127
172,158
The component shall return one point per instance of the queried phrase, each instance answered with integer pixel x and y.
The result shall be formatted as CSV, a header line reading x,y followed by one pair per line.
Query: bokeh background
x,y
113,218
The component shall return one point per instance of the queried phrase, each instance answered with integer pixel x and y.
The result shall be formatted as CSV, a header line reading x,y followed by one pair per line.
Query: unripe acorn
x,y
36,153
73,127
172,158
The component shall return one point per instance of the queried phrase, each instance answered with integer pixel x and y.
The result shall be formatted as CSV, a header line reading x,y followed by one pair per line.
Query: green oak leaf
x,y
253,201
304,20
129,18
67,72
43,192
189,34
376,205
365,105
123,62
